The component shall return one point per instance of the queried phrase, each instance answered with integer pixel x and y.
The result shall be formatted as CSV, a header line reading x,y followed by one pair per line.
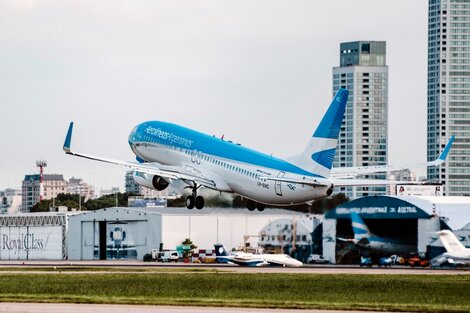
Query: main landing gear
x,y
194,200
252,205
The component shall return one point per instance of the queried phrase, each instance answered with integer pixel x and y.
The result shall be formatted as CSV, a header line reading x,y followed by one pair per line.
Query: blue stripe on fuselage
x,y
185,138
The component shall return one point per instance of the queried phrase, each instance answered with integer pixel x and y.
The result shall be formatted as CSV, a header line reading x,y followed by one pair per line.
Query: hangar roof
x,y
455,210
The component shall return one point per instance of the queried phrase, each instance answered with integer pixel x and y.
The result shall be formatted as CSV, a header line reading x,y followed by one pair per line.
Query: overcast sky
x,y
259,72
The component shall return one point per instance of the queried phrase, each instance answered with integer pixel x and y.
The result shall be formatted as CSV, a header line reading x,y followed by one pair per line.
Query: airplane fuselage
x,y
386,245
231,167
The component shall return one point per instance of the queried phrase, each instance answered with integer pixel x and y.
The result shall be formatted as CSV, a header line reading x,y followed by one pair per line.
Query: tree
x,y
188,253
107,201
62,199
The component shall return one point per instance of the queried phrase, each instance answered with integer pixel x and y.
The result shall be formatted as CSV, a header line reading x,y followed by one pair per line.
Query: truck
x,y
162,256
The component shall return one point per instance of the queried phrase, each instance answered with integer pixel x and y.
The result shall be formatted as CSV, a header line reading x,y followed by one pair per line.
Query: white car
x,y
316,259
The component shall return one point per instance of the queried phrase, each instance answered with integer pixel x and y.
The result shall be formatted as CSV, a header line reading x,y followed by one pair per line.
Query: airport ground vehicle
x,y
366,261
417,260
162,256
316,259
385,262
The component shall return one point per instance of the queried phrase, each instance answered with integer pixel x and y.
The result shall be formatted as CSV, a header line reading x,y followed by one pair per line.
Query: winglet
x,y
446,150
68,139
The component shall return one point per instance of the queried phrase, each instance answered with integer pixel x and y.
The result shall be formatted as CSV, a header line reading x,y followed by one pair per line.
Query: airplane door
x,y
277,184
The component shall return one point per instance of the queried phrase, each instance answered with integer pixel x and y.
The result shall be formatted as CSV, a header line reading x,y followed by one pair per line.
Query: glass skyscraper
x,y
449,93
363,137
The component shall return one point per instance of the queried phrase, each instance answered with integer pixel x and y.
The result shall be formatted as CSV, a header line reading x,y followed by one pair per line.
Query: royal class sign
x,y
31,242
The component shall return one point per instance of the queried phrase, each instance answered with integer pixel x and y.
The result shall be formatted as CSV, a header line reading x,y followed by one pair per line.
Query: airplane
x,y
457,255
364,239
166,152
250,259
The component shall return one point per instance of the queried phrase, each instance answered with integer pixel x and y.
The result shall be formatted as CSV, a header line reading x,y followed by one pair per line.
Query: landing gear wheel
x,y
190,202
260,206
199,202
251,205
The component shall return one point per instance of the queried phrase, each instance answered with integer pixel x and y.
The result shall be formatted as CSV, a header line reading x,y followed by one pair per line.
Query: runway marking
x,y
105,308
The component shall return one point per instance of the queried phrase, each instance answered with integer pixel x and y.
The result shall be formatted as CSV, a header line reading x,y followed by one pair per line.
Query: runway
x,y
153,267
105,308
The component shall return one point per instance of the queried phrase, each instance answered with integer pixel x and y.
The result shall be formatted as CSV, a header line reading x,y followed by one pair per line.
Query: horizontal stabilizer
x,y
368,182
350,172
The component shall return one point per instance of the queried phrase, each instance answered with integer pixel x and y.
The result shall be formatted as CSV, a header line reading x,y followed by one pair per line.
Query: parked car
x,y
316,259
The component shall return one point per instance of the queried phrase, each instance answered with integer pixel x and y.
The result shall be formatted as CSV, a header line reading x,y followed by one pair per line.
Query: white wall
x,y
206,230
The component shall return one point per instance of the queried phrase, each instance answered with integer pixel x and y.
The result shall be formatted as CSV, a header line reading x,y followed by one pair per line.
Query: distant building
x,y
363,137
10,201
130,184
449,93
107,192
79,186
53,185
135,188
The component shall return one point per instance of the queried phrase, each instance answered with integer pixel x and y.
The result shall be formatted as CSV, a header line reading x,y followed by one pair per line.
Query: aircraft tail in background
x,y
360,229
451,243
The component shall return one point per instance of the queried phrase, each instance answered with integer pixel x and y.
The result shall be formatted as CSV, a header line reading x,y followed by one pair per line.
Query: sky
x,y
258,72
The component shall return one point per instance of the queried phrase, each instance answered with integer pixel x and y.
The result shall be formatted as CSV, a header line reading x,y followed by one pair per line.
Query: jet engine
x,y
150,181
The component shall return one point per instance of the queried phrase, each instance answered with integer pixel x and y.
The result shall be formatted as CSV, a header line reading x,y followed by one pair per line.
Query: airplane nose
x,y
133,135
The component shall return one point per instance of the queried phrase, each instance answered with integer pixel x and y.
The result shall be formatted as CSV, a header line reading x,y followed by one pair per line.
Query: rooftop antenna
x,y
41,164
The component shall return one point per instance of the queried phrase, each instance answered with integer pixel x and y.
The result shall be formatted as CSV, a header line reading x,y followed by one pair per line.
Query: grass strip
x,y
104,269
408,293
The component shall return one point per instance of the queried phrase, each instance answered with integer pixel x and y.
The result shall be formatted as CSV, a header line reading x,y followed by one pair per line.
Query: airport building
x,y
411,218
363,136
449,93
130,233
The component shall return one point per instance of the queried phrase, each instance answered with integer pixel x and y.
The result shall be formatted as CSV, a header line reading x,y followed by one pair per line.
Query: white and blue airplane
x,y
251,259
365,239
167,152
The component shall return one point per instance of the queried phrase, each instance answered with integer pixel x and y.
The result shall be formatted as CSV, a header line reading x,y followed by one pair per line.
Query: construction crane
x,y
41,164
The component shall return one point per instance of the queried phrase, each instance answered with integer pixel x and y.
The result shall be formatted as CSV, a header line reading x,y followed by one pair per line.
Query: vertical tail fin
x,y
220,250
359,227
450,242
319,154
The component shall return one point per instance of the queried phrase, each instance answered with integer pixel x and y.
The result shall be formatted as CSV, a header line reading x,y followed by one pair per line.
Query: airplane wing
x,y
304,181
171,172
351,182
349,172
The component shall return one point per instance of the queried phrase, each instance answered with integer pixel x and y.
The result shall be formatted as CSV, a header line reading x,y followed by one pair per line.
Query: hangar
x,y
130,233
411,218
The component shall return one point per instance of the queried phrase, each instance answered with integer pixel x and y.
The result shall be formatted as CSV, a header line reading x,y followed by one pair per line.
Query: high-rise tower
x,y
449,92
363,138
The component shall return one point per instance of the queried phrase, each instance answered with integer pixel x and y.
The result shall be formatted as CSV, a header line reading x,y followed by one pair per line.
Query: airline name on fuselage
x,y
172,138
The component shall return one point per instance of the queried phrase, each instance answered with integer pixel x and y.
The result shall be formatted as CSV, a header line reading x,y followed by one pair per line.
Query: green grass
x,y
417,293
103,269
